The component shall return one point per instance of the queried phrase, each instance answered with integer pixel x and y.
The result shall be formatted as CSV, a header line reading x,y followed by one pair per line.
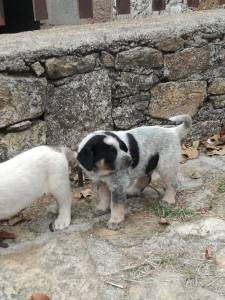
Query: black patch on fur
x,y
152,163
94,150
123,146
134,150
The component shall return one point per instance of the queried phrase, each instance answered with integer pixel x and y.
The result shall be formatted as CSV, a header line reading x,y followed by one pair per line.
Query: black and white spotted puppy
x,y
122,163
30,175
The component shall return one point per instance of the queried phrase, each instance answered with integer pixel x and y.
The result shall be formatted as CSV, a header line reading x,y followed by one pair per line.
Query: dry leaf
x,y
73,177
164,221
183,159
195,175
82,194
210,146
189,152
86,193
78,195
208,254
37,296
216,144
16,220
204,210
215,140
220,152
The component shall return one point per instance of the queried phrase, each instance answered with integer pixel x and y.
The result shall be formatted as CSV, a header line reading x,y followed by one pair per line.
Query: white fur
x,y
30,175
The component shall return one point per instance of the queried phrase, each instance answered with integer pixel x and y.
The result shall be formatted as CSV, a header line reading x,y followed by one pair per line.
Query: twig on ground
x,y
114,284
212,282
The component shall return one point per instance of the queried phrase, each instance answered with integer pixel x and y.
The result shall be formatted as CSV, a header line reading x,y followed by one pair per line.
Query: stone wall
x,y
143,8
59,84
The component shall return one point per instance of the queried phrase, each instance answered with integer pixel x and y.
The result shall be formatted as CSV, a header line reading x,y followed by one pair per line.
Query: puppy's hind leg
x,y
104,196
138,186
169,196
169,179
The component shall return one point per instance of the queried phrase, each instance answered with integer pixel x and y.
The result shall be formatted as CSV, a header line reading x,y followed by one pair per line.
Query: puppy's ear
x,y
85,157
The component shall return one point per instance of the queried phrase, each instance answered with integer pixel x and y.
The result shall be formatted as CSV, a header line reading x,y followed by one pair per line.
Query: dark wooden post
x,y
85,9
2,14
40,10
158,5
193,3
123,7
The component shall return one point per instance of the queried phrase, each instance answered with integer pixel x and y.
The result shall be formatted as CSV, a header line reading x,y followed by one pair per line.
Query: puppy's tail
x,y
182,129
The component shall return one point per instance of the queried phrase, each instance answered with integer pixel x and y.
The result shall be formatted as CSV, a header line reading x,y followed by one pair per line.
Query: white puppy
x,y
30,175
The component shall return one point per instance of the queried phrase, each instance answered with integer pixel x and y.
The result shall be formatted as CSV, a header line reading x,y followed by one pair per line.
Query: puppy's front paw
x,y
61,223
100,212
115,226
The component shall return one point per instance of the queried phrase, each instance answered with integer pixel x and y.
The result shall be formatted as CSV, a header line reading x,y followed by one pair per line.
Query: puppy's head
x,y
103,154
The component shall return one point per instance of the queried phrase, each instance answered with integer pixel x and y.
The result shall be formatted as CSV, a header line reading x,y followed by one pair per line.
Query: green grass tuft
x,y
170,211
221,187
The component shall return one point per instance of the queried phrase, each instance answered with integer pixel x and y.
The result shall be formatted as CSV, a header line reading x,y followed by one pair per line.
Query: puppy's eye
x,y
111,148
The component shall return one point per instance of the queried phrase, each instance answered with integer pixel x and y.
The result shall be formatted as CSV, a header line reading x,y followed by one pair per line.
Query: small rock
x,y
212,36
170,45
107,59
38,69
210,228
218,101
139,57
217,87
19,126
131,111
222,56
69,65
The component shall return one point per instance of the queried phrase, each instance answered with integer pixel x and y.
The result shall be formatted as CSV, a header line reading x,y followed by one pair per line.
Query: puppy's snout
x,y
127,160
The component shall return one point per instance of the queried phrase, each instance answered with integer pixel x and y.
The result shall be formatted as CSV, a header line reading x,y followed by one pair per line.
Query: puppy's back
x,y
28,176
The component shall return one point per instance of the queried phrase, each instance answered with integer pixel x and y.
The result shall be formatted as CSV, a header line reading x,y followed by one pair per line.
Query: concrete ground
x,y
144,260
